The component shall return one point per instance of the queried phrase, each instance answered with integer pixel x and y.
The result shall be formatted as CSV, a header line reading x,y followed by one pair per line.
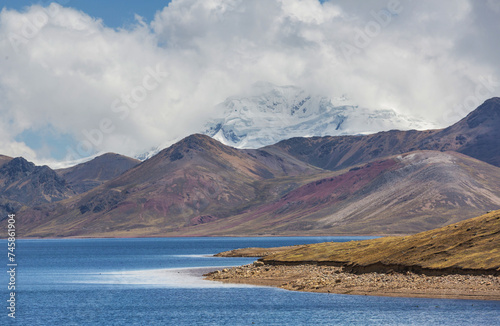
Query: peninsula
x,y
461,260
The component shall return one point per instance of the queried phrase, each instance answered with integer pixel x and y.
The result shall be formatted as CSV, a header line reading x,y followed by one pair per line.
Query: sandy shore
x,y
329,279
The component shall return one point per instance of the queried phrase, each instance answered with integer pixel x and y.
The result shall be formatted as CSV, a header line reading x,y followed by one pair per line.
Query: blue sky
x,y
114,13
67,70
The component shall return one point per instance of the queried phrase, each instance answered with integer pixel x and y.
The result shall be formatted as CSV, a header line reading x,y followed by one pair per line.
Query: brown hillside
x,y
468,246
4,159
194,182
477,135
338,152
402,194
88,175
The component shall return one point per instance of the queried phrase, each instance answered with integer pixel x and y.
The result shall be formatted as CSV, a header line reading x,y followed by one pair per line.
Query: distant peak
x,y
202,142
197,139
20,160
266,114
109,155
488,111
194,143
19,167
112,156
492,103
493,99
20,164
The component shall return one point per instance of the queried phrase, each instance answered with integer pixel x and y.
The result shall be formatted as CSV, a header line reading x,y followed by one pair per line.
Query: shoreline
x,y
330,279
378,235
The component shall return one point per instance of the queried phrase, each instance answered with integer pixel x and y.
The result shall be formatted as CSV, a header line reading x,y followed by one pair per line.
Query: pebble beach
x,y
330,279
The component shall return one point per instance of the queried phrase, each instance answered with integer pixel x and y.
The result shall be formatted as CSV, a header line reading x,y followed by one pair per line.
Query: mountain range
x,y
477,135
383,183
22,184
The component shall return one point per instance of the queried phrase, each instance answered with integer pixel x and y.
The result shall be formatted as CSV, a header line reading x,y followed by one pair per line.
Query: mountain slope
x,y
476,135
201,187
89,175
195,181
4,159
335,153
402,194
23,183
467,246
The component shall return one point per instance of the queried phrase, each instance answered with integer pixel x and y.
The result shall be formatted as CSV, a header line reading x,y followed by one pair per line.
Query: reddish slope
x,y
325,193
403,194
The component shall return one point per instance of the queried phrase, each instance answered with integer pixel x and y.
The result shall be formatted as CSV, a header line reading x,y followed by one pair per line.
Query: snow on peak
x,y
272,113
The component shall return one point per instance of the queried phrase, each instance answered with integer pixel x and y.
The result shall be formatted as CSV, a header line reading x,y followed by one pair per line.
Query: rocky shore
x,y
330,279
461,260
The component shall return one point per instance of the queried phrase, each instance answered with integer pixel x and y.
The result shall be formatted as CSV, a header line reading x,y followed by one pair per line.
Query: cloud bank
x,y
70,86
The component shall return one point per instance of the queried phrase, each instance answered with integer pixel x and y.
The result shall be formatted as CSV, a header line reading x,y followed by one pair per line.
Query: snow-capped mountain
x,y
273,113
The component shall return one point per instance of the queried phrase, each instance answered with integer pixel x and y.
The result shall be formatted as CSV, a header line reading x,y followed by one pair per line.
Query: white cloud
x,y
16,149
63,69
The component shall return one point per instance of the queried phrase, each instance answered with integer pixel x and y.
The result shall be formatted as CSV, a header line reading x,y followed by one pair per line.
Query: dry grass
x,y
473,244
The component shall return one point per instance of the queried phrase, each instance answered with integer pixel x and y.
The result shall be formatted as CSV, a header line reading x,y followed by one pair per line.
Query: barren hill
x,y
470,246
86,176
401,194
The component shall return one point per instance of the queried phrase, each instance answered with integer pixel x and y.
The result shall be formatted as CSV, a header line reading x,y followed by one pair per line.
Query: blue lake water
x,y
143,282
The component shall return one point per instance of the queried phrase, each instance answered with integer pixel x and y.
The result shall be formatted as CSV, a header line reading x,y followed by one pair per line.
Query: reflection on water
x,y
187,278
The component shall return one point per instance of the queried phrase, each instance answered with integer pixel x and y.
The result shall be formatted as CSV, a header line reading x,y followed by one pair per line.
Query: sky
x,y
84,77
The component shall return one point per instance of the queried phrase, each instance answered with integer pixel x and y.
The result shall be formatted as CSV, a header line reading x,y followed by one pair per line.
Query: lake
x,y
145,282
